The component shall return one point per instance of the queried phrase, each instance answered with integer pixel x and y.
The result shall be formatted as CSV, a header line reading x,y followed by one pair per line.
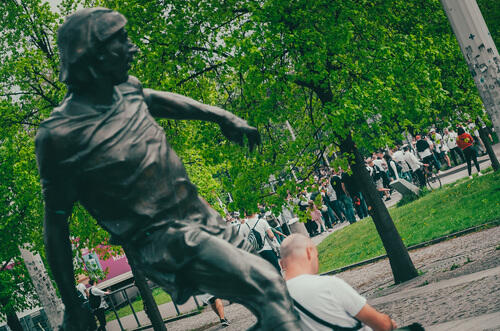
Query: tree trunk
x,y
47,295
486,140
399,259
13,322
150,306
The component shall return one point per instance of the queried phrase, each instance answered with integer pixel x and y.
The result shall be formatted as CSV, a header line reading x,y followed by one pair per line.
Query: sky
x,y
54,3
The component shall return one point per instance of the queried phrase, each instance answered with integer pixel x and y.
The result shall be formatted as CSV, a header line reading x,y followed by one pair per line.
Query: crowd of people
x,y
334,196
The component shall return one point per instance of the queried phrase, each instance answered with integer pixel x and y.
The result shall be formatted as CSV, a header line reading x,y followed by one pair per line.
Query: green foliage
x,y
20,222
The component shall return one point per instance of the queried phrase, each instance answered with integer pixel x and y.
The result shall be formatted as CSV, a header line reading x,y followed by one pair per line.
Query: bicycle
x,y
431,179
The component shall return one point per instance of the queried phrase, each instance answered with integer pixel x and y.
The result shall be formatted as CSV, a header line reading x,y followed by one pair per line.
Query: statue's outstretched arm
x,y
175,106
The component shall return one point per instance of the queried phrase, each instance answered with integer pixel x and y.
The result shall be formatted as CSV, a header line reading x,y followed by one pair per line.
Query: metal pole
x,y
176,308
479,51
196,301
131,307
116,314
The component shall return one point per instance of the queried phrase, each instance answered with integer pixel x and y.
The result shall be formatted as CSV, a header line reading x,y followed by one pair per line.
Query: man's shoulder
x,y
312,284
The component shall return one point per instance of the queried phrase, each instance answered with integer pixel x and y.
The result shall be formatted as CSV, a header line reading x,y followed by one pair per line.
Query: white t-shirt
x,y
379,163
438,143
412,161
81,288
451,139
327,297
261,227
98,292
398,156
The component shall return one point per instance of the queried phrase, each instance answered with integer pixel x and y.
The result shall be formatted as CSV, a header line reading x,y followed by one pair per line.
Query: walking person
x,y
337,182
217,307
424,151
466,143
263,228
97,304
335,205
398,157
440,148
415,166
376,174
450,139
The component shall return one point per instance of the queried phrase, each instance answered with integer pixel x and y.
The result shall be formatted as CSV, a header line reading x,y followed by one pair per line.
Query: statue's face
x,y
115,57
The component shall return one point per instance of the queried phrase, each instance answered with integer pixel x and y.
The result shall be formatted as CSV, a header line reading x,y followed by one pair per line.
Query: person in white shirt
x,y
450,139
415,165
324,301
267,236
81,288
95,292
440,148
397,156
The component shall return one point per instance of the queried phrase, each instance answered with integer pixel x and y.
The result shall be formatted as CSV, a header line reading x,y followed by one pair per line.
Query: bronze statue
x,y
103,148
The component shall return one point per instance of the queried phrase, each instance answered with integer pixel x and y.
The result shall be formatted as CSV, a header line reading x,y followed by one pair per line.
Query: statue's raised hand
x,y
235,129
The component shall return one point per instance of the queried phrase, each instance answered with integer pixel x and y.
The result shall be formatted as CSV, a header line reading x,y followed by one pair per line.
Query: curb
x,y
413,247
461,167
168,320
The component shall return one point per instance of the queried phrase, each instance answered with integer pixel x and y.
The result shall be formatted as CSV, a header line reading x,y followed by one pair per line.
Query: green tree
x,y
355,74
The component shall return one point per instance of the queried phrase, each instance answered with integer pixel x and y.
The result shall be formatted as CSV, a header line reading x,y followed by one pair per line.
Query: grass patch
x,y
159,295
452,208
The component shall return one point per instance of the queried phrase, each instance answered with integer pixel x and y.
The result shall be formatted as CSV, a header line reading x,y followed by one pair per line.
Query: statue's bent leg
x,y
230,273
219,268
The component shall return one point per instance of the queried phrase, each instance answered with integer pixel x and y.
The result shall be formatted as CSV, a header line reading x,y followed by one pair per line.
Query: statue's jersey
x,y
117,163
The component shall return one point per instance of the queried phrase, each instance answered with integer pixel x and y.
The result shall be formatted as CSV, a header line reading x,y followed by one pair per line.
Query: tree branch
x,y
207,69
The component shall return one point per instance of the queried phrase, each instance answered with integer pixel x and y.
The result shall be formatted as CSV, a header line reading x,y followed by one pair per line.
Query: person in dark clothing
x,y
98,304
466,144
355,194
425,153
343,196
326,211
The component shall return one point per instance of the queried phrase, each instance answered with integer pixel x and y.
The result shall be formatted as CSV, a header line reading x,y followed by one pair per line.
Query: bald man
x,y
325,302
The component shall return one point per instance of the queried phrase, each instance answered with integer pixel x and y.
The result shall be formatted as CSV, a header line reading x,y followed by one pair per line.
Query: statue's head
x,y
93,44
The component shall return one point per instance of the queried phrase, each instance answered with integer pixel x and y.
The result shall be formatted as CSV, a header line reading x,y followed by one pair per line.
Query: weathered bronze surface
x,y
102,148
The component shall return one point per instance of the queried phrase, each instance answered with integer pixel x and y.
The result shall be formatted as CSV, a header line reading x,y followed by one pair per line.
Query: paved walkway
x,y
458,290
